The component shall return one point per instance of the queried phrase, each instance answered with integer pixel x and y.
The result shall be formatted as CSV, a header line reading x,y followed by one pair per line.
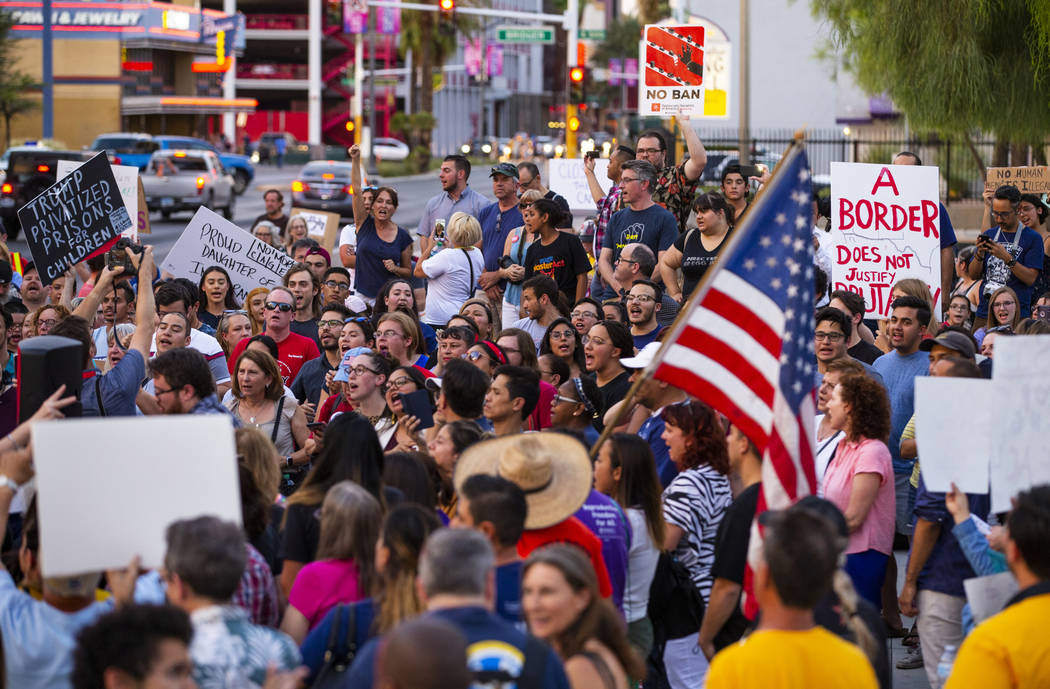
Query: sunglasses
x,y
278,306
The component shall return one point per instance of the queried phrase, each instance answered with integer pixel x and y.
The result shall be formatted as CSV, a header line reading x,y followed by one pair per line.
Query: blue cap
x,y
343,374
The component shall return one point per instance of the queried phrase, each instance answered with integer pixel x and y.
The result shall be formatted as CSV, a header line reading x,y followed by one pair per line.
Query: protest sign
x,y
1017,455
886,227
127,177
1028,180
101,507
321,225
211,240
566,177
144,227
671,71
74,218
945,454
988,595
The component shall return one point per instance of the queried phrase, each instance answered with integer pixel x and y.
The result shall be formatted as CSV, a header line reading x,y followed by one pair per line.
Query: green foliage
x,y
621,40
14,84
953,66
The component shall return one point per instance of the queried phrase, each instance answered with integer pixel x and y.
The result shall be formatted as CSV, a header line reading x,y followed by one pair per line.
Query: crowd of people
x,y
455,470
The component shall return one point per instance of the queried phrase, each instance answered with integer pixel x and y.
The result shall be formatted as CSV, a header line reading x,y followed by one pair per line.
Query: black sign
x,y
73,219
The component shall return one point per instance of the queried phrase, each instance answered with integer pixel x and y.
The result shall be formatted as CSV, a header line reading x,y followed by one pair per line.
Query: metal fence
x,y
960,175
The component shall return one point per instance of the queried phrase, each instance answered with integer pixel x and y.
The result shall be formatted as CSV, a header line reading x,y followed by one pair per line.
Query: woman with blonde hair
x,y
1004,314
517,243
255,304
233,327
399,337
345,566
561,603
295,230
453,272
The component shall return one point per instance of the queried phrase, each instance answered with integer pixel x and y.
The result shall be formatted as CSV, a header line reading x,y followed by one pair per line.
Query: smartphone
x,y
750,171
439,228
1043,312
317,427
591,154
418,404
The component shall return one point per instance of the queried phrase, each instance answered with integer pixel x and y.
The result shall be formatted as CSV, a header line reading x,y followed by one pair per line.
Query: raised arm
x,y
592,180
356,182
91,302
694,167
145,305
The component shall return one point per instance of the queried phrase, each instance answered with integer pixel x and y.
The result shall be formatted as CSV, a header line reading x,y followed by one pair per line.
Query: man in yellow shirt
x,y
787,650
1011,649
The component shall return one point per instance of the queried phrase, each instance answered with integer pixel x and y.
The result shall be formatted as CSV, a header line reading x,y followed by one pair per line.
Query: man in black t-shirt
x,y
852,304
723,622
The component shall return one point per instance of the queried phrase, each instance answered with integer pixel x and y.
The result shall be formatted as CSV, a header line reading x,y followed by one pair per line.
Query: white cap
x,y
644,357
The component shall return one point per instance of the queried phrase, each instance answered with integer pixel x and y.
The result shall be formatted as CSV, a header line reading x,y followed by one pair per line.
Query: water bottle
x,y
944,667
439,237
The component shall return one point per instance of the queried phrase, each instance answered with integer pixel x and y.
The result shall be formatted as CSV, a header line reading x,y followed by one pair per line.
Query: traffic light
x,y
574,124
447,7
576,74
349,125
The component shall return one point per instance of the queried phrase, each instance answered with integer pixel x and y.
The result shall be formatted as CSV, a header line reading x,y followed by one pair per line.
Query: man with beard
x,y
455,195
643,303
310,381
33,294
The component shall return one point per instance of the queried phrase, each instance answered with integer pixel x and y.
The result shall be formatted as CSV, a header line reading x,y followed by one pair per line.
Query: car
x,y
184,180
543,146
387,148
30,171
480,148
237,165
324,185
126,148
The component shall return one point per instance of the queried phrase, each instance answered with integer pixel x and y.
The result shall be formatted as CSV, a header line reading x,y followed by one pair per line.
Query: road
x,y
413,194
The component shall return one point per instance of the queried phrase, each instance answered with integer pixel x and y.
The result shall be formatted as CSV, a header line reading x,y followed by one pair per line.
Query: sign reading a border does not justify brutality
x,y
74,218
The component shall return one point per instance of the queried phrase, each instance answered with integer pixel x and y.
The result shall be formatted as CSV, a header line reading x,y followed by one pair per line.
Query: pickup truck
x,y
177,180
239,166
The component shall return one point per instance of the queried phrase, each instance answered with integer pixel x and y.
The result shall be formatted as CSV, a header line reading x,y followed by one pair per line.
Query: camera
x,y
591,154
506,262
117,258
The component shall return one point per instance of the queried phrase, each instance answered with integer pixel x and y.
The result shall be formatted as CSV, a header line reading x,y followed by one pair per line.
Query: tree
x,y
951,66
14,83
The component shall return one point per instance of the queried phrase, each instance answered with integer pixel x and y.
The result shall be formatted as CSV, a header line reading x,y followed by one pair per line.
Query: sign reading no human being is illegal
x,y
75,218
211,240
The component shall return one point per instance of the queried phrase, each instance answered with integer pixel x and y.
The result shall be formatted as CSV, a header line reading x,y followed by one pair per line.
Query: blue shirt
x,y
948,239
641,340
316,642
898,376
947,566
310,380
39,639
496,226
508,593
442,206
492,643
370,274
651,431
118,387
1028,252
656,227
605,519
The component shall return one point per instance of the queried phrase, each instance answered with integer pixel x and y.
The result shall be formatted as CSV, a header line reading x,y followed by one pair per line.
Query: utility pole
x,y
572,39
313,73
48,123
744,133
372,91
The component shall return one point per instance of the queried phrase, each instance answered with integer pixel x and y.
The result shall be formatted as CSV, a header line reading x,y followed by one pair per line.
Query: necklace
x,y
251,417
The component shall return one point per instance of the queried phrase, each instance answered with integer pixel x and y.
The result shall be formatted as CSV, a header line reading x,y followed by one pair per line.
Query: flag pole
x,y
683,313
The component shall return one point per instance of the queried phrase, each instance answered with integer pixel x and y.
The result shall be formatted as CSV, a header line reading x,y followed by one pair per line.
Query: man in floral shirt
x,y
675,185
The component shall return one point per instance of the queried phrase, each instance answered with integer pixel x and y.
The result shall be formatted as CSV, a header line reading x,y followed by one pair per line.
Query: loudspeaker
x,y
44,363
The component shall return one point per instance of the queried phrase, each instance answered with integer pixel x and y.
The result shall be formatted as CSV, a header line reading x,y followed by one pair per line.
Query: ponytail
x,y
843,587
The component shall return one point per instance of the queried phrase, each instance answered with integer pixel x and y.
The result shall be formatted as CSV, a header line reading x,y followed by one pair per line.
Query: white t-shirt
x,y
449,286
348,237
825,452
641,566
532,327
210,348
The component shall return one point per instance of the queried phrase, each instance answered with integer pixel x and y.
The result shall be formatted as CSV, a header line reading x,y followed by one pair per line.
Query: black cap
x,y
5,272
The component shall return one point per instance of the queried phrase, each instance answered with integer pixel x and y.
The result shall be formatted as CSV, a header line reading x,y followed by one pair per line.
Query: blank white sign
x,y
953,433
109,488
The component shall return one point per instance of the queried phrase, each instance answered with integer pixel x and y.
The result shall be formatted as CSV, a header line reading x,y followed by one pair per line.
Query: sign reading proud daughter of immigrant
x,y
74,218
211,240
671,71
885,227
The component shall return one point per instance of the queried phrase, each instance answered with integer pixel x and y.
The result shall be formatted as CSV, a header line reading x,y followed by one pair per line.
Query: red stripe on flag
x,y
703,389
744,318
730,358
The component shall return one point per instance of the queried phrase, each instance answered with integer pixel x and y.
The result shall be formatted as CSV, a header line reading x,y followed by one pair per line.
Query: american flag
x,y
745,345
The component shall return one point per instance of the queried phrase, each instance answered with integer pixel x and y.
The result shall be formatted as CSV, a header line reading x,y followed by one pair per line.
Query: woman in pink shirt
x,y
345,567
859,480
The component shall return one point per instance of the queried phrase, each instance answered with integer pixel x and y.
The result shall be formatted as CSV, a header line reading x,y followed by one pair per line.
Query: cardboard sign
x,y
567,177
1028,180
127,177
671,71
144,227
321,225
74,218
98,509
945,454
886,227
211,240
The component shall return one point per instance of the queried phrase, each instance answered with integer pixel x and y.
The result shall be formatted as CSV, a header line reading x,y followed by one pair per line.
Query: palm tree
x,y
13,100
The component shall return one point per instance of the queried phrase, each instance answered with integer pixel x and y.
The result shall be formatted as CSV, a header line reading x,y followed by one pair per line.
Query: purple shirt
x,y
606,520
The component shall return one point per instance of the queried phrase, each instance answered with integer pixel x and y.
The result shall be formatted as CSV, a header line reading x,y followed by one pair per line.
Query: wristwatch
x,y
1011,263
8,482
288,462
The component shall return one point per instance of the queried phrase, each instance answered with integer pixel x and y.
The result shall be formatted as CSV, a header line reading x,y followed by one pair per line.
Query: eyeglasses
x,y
567,400
624,181
583,314
647,151
157,391
400,383
330,324
235,312
562,334
360,370
831,337
1003,304
474,356
1002,214
640,298
523,206
357,319
597,341
626,260
388,333
334,284
277,306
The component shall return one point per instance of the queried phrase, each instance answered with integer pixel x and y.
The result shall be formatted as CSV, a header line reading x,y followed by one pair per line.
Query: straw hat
x,y
552,468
